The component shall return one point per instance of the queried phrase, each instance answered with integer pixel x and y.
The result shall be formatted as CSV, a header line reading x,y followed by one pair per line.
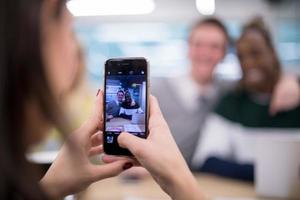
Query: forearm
x,y
50,188
184,186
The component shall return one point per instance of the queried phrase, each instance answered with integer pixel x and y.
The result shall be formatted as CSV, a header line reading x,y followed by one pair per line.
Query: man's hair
x,y
258,25
120,91
211,21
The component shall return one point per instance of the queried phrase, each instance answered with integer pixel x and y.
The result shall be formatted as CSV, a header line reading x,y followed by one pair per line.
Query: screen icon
x,y
110,139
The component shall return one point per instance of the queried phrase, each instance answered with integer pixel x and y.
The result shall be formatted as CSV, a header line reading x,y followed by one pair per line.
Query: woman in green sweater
x,y
227,144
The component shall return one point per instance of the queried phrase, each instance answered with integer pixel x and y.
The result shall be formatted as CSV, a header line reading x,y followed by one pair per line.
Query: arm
x,y
124,115
286,95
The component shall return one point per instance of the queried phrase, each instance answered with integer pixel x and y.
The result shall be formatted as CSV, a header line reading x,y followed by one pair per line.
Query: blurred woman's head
x,y
37,63
258,59
128,98
59,48
37,57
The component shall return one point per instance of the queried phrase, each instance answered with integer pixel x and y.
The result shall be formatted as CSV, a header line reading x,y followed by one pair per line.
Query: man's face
x,y
207,47
120,96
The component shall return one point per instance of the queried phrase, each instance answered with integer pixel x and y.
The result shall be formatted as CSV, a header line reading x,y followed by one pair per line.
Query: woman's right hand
x,y
160,155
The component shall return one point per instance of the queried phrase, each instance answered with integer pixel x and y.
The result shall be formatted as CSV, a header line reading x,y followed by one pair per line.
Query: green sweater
x,y
227,142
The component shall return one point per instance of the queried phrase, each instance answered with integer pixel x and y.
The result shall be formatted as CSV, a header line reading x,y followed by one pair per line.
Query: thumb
x,y
95,121
131,142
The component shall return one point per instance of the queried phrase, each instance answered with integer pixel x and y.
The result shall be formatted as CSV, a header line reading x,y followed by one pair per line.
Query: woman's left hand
x,y
72,170
286,95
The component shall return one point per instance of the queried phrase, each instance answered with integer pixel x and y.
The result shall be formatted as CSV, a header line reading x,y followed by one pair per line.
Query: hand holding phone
x,y
160,155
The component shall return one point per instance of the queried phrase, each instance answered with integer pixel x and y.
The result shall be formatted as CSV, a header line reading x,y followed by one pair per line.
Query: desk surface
x,y
120,189
119,122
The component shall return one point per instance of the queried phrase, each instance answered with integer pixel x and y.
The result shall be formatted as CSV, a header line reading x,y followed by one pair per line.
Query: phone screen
x,y
126,101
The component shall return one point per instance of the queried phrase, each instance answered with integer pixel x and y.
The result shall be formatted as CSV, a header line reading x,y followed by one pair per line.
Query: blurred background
x,y
161,33
158,30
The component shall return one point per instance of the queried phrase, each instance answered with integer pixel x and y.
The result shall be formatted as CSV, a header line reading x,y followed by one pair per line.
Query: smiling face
x,y
258,61
120,96
207,47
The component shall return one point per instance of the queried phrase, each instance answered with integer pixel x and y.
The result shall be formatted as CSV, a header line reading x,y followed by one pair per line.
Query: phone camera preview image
x,y
125,106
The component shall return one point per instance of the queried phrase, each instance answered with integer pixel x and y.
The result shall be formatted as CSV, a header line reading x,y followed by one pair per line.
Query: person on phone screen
x,y
113,107
129,107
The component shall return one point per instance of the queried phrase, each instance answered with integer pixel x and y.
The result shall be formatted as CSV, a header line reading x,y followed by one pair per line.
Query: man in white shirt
x,y
185,101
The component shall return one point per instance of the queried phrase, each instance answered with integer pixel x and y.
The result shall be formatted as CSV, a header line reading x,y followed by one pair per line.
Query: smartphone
x,y
126,88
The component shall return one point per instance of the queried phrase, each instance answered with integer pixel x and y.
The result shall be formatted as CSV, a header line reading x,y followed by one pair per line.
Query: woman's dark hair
x,y
128,98
212,21
257,24
22,78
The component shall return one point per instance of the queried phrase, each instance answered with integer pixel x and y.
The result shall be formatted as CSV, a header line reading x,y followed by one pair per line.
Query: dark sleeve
x,y
109,108
229,169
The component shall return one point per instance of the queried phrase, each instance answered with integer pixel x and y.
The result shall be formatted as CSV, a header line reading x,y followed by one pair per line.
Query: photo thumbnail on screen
x,y
126,104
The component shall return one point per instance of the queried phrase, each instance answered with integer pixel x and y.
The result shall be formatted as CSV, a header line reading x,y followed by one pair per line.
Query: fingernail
x,y
98,92
127,166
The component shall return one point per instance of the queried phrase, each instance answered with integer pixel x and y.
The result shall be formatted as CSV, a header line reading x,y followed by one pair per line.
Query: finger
x,y
110,159
97,139
98,112
154,107
136,172
156,117
133,143
96,150
100,172
95,122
